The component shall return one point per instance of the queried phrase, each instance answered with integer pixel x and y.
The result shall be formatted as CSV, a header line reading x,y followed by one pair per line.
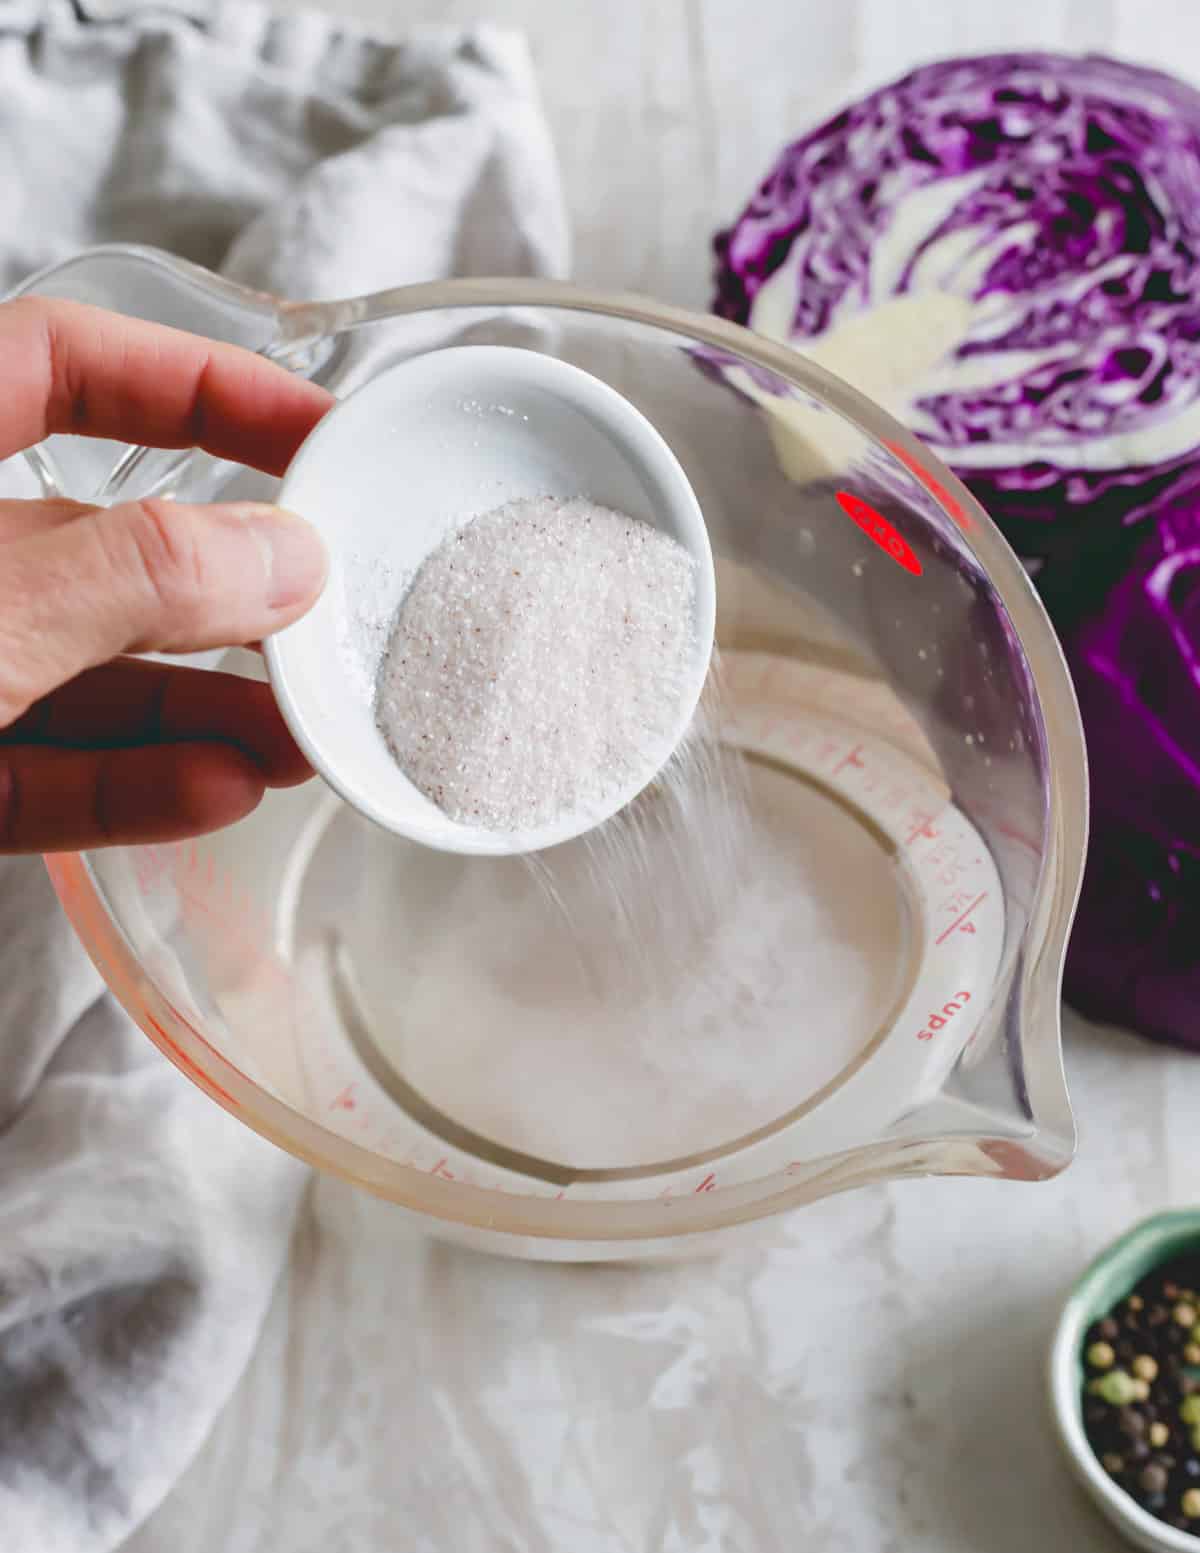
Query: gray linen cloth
x,y
141,1228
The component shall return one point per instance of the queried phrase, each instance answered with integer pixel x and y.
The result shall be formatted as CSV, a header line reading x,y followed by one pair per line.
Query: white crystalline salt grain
x,y
538,661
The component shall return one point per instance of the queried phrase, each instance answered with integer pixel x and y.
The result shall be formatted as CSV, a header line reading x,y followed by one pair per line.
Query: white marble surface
x,y
869,1380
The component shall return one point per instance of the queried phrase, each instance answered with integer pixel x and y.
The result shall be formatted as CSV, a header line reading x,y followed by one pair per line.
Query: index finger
x,y
67,367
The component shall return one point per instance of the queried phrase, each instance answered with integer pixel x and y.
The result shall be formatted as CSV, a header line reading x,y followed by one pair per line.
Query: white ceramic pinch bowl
x,y
410,457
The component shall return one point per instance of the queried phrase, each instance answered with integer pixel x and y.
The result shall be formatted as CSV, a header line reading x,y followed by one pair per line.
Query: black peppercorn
x,y
1154,1478
1131,1422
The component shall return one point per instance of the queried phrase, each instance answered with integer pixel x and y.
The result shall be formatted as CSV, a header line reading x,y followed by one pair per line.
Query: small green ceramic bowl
x,y
1110,1278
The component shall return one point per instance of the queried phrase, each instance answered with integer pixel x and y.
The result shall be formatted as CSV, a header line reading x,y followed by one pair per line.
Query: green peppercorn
x,y
1101,1356
1118,1388
1189,1408
1145,1368
1190,1504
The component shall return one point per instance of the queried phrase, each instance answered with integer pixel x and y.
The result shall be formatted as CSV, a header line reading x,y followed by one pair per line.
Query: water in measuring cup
x,y
772,957
707,962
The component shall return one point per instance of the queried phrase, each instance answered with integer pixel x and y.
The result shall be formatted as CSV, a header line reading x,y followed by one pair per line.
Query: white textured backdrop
x,y
871,1383
667,112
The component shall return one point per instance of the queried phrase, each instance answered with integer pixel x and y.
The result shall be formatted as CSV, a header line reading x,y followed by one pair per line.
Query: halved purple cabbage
x,y
1060,197
1136,665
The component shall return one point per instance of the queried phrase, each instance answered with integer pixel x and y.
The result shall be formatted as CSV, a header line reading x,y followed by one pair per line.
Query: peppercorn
x,y
1190,1504
1159,1435
1131,1422
1144,1367
1154,1478
1116,1387
1101,1356
1189,1408
1112,1463
1191,1354
1135,1302
1185,1316
1107,1331
1140,1390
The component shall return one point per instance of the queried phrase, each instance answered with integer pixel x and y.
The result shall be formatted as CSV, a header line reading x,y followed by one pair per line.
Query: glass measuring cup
x,y
897,713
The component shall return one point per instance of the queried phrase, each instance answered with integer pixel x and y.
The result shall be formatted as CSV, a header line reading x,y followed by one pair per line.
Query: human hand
x,y
96,748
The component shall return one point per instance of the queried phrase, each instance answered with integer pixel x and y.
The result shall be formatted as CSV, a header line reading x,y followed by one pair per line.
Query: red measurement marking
x,y
852,759
707,1184
924,827
150,866
940,1018
879,531
1021,840
961,920
441,1171
931,483
829,748
345,1101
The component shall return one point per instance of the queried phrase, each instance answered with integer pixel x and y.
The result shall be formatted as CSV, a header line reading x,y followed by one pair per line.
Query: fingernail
x,y
295,557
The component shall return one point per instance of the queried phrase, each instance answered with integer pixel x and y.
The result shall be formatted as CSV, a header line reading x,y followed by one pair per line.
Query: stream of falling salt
x,y
647,890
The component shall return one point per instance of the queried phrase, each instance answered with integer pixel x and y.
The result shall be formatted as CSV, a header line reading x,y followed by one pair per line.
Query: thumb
x,y
148,576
